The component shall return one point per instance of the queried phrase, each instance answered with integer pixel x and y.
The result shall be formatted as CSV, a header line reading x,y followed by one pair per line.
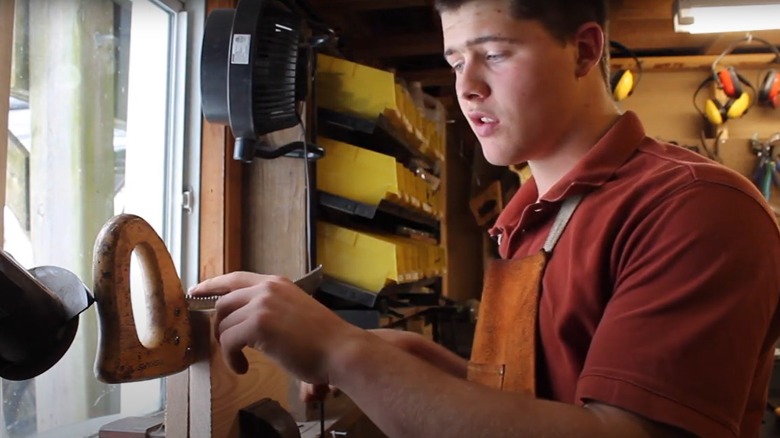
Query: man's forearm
x,y
426,350
408,397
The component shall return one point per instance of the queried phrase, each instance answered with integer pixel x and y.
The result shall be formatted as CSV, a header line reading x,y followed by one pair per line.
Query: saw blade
x,y
309,283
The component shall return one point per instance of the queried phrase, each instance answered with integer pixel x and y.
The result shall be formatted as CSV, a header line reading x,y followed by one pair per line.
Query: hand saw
x,y
168,348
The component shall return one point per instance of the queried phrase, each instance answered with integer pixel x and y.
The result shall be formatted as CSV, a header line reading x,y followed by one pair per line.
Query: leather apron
x,y
505,345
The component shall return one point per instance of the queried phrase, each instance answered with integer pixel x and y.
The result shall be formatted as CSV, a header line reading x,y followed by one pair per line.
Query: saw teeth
x,y
202,302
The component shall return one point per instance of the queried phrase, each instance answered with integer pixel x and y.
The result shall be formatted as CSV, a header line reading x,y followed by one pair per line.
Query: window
x,y
97,126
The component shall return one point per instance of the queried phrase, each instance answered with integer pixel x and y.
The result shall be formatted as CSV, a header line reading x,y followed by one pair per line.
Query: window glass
x,y
90,136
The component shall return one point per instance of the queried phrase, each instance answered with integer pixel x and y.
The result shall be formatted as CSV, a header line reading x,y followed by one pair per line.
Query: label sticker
x,y
239,51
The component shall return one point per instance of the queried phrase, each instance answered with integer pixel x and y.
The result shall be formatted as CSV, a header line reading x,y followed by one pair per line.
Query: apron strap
x,y
504,352
564,214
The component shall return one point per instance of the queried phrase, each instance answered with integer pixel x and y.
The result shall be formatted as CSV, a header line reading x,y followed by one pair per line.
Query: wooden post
x,y
216,393
71,100
237,229
220,200
462,238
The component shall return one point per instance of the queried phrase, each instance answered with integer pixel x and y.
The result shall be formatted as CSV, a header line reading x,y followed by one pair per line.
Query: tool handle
x,y
766,182
121,356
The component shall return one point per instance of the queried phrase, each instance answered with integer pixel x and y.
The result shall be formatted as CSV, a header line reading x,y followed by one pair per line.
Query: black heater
x,y
251,76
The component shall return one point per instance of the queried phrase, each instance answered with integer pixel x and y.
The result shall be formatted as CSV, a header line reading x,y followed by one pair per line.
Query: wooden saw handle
x,y
121,357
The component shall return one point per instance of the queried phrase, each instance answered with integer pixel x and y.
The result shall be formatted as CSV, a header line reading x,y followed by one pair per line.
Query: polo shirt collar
x,y
592,171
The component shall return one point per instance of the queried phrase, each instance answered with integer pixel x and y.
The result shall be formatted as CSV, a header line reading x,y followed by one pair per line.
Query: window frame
x,y
183,166
6,49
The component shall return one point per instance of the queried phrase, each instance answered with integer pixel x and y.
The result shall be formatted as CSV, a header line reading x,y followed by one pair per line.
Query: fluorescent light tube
x,y
715,16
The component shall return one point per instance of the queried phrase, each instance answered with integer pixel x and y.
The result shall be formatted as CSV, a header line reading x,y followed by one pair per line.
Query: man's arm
x,y
407,397
427,350
412,343
403,394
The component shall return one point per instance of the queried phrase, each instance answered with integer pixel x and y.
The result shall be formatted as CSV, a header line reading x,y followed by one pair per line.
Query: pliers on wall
x,y
766,174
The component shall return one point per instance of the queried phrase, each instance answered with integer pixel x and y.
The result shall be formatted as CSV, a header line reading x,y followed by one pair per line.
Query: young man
x,y
657,272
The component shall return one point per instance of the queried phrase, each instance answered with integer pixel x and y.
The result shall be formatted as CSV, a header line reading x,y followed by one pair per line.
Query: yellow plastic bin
x,y
356,173
359,259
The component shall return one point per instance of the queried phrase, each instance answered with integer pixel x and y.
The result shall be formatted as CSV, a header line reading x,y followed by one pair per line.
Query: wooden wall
x,y
663,100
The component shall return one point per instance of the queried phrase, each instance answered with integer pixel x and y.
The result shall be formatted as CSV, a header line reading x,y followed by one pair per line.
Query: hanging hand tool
x,y
765,174
39,316
121,357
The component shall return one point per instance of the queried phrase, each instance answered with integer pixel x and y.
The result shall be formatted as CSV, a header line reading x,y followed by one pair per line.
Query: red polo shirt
x,y
661,296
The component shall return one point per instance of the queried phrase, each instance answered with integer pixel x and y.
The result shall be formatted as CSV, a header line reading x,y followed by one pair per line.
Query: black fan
x,y
251,74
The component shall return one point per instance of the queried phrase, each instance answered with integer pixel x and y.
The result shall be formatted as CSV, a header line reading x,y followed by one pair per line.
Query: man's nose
x,y
470,84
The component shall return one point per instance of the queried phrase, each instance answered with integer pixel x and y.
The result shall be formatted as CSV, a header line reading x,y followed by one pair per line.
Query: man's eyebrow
x,y
481,40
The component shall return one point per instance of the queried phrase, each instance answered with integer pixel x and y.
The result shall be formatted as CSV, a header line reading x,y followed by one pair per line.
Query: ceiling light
x,y
711,16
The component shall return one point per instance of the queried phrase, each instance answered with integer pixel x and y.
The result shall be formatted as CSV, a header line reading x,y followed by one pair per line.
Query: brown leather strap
x,y
505,342
504,350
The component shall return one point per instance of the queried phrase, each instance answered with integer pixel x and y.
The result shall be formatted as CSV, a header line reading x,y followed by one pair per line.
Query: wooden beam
x,y
718,44
722,41
368,5
653,34
680,63
220,198
641,9
346,22
219,221
6,50
429,43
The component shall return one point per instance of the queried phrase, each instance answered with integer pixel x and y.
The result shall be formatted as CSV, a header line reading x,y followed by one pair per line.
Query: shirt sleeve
x,y
690,327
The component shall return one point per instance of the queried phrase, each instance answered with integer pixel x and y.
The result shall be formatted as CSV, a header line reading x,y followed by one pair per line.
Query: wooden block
x,y
132,427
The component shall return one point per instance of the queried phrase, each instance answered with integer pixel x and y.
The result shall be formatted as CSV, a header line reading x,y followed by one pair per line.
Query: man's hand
x,y
272,315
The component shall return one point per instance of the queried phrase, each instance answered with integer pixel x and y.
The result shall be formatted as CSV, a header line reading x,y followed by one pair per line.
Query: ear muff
x,y
714,113
622,84
729,81
718,113
736,108
769,92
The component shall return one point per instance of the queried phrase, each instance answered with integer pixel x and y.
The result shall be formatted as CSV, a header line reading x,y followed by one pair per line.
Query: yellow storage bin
x,y
359,90
409,263
359,259
356,173
369,177
353,88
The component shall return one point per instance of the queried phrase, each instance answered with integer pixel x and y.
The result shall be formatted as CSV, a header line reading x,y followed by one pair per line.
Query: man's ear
x,y
589,41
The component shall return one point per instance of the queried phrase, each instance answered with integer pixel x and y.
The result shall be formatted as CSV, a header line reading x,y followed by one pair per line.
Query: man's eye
x,y
494,56
458,66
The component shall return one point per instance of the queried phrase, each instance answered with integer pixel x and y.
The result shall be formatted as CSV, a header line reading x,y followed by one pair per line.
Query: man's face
x,y
514,80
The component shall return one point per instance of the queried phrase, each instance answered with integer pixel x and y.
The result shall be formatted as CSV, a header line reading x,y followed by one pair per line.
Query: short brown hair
x,y
561,18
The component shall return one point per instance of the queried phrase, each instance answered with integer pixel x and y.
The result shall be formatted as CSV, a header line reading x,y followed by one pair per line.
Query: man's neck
x,y
581,138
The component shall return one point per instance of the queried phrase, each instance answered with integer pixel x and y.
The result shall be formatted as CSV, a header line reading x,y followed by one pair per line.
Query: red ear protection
x,y
769,92
718,113
728,80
